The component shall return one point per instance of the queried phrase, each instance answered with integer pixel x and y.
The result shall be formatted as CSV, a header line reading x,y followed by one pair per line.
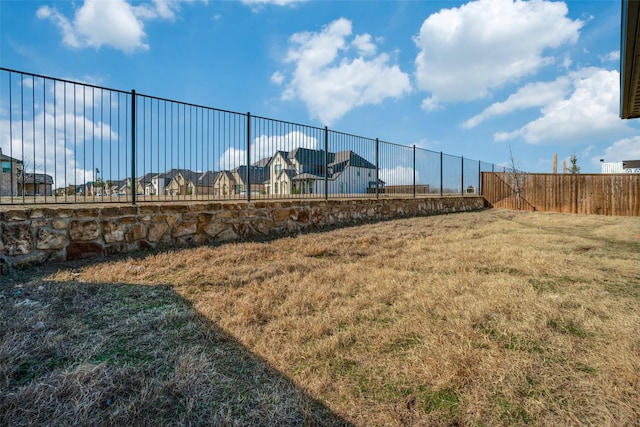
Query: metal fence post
x,y
462,177
414,171
326,163
248,156
377,167
441,176
133,147
479,177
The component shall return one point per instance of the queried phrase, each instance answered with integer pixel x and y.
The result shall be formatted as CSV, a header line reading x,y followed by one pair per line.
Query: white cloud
x,y
277,78
331,82
257,5
613,56
624,149
467,52
364,45
431,104
113,23
400,175
535,94
590,112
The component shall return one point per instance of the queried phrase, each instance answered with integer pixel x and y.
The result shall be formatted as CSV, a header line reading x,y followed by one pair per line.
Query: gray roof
x,y
36,178
352,159
187,174
306,156
145,179
262,162
7,158
258,174
207,179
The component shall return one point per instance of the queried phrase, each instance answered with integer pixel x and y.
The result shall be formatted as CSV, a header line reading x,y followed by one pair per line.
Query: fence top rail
x,y
40,76
394,144
316,128
337,132
222,110
188,104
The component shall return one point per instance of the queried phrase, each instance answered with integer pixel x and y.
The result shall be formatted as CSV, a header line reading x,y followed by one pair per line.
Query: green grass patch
x,y
567,327
510,413
445,402
403,343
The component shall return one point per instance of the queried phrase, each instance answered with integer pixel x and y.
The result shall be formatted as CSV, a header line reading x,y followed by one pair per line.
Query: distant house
x,y
302,171
625,166
35,184
204,185
181,182
9,173
234,182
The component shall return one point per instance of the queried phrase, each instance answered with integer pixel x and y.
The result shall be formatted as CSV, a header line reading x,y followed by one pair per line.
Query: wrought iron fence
x,y
73,142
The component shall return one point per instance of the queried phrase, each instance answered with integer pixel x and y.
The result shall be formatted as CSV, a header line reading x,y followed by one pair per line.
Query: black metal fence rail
x,y
73,142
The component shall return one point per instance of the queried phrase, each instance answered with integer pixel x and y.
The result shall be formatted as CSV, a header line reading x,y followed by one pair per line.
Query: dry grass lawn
x,y
476,319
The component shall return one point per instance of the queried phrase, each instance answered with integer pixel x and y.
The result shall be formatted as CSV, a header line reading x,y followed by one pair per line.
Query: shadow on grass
x,y
122,354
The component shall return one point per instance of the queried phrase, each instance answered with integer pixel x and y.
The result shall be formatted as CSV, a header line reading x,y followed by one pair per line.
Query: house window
x,y
275,188
278,169
6,167
238,188
358,173
369,174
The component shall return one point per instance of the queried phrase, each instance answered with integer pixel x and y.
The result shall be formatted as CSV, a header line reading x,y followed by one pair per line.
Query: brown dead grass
x,y
486,318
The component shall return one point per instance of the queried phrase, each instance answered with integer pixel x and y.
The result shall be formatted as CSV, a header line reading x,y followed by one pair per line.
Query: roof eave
x,y
630,60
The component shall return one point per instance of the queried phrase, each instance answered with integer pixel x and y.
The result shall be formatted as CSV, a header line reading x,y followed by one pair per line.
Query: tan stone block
x,y
63,213
36,223
184,228
136,232
59,224
88,213
17,239
15,215
280,215
204,217
157,230
226,213
214,228
263,226
227,234
49,239
84,230
126,220
112,232
172,220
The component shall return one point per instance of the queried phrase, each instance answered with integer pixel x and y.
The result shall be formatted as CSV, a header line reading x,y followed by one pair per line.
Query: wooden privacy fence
x,y
601,194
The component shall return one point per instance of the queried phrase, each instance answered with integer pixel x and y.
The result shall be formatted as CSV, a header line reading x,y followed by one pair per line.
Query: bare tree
x,y
517,178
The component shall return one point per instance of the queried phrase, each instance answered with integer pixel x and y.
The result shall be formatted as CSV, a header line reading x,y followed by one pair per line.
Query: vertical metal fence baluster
x,y
248,157
462,177
377,168
133,147
441,175
326,163
414,171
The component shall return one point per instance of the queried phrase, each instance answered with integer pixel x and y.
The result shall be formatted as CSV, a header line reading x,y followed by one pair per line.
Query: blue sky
x,y
471,79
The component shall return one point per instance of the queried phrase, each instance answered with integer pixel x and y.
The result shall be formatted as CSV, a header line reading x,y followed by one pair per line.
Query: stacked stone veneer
x,y
33,236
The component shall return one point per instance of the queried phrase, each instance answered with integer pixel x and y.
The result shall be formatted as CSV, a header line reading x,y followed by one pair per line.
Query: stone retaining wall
x,y
38,235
